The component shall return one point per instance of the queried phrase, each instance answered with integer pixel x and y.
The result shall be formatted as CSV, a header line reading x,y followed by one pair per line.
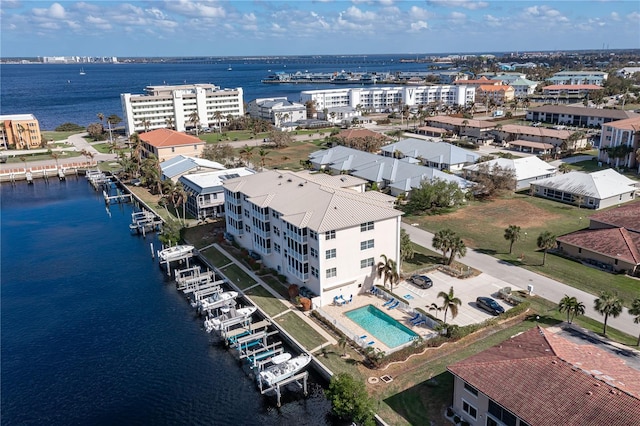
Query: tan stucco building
x,y
20,131
166,144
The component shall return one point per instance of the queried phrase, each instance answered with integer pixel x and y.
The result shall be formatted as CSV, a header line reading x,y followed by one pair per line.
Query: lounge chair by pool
x,y
394,305
389,302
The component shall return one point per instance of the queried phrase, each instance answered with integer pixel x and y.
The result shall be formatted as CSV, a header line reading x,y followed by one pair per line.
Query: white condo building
x,y
323,232
277,110
173,106
379,99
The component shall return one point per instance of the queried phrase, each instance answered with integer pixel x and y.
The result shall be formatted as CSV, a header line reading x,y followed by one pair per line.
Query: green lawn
x,y
266,301
422,258
102,148
592,166
216,257
276,285
481,225
229,136
300,330
39,157
238,276
57,136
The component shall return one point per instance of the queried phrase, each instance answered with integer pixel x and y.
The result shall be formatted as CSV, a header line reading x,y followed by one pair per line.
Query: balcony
x,y
299,256
296,237
263,234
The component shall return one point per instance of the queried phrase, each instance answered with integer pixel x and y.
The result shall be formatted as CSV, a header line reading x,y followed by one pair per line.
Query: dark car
x,y
421,281
489,305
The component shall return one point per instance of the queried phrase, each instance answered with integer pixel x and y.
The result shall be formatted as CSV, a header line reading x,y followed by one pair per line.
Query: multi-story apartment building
x,y
20,131
320,231
176,107
166,144
579,77
499,94
277,110
619,143
381,99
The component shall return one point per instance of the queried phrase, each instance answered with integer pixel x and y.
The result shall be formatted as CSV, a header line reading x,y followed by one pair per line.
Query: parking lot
x,y
465,289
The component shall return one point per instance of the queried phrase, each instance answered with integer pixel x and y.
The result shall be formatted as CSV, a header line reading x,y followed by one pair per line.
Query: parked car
x,y
489,305
421,281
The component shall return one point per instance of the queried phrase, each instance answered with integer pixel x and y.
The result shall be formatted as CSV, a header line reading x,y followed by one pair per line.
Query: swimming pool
x,y
381,326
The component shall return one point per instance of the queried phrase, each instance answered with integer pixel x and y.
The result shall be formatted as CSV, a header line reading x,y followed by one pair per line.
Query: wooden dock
x,y
42,172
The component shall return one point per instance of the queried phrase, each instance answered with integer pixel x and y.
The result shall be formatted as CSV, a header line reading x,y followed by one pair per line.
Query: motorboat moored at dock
x,y
175,252
279,372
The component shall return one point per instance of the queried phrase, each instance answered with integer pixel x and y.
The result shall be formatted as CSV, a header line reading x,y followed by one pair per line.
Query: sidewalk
x,y
519,277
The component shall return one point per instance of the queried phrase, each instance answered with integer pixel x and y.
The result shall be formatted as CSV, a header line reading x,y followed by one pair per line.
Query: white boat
x,y
278,372
175,252
218,300
279,359
82,71
215,323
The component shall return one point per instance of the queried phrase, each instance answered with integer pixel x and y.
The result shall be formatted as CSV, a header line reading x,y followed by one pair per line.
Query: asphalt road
x,y
519,277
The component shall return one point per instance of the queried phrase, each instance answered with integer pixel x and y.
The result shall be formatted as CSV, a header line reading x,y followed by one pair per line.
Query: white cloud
x,y
419,13
634,17
195,9
359,15
98,22
55,11
615,16
457,16
418,26
466,4
156,13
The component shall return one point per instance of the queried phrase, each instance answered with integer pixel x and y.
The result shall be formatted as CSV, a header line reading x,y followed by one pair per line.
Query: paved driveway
x,y
466,290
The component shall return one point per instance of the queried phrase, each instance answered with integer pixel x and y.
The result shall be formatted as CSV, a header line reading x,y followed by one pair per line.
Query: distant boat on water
x,y
82,71
229,69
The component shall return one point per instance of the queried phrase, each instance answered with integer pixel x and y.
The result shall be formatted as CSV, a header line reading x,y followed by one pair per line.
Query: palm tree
x,y
442,242
195,119
449,303
146,124
55,156
457,247
136,151
512,234
436,308
246,153
546,241
169,122
608,304
635,311
564,168
388,271
179,197
218,116
263,156
566,305
406,248
578,309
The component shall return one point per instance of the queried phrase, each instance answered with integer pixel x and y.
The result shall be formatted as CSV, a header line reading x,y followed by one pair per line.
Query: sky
x,y
312,27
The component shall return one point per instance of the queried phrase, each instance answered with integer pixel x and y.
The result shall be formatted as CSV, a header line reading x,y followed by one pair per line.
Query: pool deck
x,y
338,312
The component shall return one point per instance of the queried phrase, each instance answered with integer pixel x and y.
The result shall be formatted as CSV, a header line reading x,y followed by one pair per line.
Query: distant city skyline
x,y
321,27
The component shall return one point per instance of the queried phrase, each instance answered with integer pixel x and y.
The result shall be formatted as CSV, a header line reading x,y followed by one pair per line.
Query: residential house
x,y
570,89
439,155
526,169
205,193
463,127
557,138
627,72
522,87
543,378
318,235
339,115
577,116
166,144
180,165
595,190
498,94
612,241
596,78
20,131
277,110
175,107
400,176
620,143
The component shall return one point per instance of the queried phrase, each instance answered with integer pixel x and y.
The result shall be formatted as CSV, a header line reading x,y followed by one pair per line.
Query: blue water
x,y
381,326
57,94
93,333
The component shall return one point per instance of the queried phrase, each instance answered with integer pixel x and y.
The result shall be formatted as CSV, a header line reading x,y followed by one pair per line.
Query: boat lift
x,y
304,376
232,335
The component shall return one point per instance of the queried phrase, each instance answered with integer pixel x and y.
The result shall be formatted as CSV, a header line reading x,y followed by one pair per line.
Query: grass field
x,y
57,136
263,298
300,330
288,158
482,225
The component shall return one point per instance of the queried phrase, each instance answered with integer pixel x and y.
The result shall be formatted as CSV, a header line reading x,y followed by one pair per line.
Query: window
x,y
314,272
366,263
469,409
471,389
330,254
246,228
501,414
368,226
314,252
313,234
332,272
276,247
330,235
364,245
276,231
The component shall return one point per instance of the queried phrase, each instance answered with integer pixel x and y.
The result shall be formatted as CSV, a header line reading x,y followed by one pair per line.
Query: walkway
x,y
547,288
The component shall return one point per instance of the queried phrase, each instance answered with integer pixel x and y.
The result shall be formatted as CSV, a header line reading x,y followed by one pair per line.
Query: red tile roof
x,y
626,216
632,123
548,381
617,243
163,138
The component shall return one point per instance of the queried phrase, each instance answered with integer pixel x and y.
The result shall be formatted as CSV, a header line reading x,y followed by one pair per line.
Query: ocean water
x,y
93,333
57,93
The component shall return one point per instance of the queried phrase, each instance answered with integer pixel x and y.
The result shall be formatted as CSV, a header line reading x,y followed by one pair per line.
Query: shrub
x,y
69,127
